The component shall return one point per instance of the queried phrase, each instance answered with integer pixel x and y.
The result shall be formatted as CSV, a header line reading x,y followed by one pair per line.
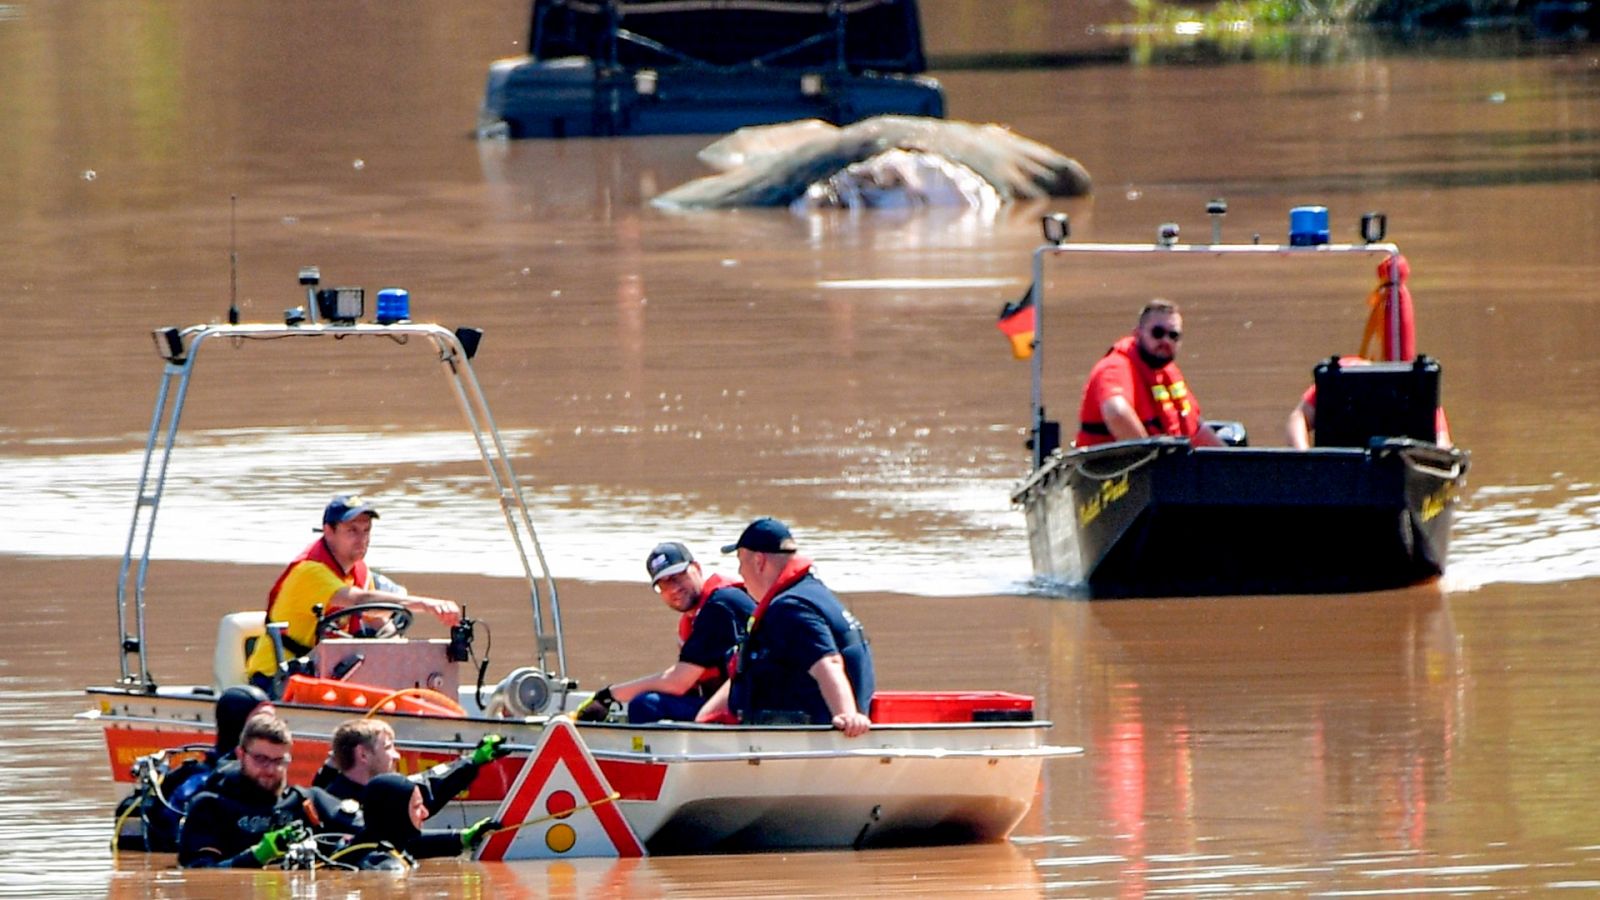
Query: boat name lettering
x,y
1436,503
1110,492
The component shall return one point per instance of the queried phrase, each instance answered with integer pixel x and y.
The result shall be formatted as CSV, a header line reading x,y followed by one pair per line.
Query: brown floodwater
x,y
665,375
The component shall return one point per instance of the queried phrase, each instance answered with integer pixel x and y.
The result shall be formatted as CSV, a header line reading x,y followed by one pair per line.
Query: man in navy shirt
x,y
806,658
713,612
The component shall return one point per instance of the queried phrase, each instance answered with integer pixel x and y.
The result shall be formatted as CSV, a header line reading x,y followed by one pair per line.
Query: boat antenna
x,y
233,260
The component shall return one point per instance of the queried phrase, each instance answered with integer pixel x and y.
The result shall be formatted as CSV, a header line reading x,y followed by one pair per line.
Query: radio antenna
x,y
233,260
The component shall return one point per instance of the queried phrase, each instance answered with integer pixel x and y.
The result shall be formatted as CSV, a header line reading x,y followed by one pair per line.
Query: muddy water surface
x,y
666,375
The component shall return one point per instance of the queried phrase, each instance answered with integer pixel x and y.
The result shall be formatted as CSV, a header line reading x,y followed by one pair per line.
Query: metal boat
x,y
636,67
935,768
1368,507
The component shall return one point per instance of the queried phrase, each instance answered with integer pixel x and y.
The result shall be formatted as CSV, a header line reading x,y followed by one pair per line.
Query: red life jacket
x,y
318,552
795,569
1163,406
686,621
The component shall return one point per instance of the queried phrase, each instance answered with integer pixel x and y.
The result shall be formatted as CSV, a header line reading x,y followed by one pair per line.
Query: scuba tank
x,y
148,818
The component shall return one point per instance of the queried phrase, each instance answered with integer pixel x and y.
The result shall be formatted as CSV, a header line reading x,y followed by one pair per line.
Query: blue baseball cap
x,y
345,507
764,535
667,560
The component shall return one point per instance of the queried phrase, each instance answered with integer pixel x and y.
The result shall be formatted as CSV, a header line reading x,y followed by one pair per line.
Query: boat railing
x,y
180,348
1056,232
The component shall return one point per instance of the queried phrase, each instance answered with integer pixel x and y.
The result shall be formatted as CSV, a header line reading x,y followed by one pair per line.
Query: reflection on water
x,y
679,374
247,495
1527,534
43,750
250,495
1350,708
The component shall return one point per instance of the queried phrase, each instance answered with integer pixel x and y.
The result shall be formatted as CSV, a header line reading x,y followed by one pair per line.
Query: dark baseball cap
x,y
345,507
667,560
764,535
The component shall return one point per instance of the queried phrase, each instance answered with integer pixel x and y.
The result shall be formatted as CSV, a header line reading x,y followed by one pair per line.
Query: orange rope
x,y
426,693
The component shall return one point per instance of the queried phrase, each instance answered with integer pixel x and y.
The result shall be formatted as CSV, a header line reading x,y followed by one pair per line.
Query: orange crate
x,y
908,707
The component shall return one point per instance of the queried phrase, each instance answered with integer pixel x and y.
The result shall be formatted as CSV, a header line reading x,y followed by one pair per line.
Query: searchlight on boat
x,y
169,344
341,305
1057,228
1374,226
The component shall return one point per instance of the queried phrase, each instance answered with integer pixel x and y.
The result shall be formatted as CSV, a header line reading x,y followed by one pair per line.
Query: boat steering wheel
x,y
399,620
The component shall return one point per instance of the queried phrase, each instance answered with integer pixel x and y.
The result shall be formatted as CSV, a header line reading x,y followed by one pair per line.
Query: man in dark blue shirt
x,y
713,612
806,658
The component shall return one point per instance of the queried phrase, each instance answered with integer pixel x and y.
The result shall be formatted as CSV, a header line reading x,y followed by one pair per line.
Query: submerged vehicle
x,y
937,767
1368,507
886,162
635,67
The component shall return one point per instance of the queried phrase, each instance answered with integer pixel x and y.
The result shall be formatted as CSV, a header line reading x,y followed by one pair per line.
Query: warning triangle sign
x,y
560,806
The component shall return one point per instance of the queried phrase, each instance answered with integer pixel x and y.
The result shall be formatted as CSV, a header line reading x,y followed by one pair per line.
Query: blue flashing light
x,y
394,305
1308,226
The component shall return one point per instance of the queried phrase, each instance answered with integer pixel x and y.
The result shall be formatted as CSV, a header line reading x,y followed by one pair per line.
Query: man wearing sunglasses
x,y
1136,390
250,816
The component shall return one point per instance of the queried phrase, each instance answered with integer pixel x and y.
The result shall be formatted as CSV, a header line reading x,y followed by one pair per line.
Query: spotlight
x,y
1374,225
469,338
1056,228
169,344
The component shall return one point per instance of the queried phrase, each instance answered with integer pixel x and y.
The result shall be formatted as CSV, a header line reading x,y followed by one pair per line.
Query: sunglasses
x,y
1161,332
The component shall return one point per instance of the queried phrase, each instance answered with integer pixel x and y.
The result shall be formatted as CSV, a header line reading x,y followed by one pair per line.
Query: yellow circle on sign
x,y
560,837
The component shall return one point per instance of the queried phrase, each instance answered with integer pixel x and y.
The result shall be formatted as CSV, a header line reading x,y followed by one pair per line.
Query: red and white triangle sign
x,y
560,806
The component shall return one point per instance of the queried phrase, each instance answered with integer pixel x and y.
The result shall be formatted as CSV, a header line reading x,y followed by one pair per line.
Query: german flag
x,y
1017,322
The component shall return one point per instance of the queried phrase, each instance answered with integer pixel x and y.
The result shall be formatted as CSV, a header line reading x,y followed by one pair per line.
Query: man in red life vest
x,y
331,573
712,611
1136,390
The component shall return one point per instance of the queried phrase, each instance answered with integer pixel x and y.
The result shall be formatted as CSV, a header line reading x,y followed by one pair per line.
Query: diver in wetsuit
x,y
392,837
363,749
161,796
249,815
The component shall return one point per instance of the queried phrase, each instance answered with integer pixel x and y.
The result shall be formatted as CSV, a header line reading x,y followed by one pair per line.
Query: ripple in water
x,y
270,483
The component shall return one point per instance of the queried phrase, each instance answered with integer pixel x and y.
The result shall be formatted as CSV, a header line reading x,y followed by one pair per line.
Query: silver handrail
x,y
1036,293
158,453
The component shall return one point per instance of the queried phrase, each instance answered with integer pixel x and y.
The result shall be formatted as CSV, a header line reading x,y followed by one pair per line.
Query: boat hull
x,y
1160,518
572,97
686,788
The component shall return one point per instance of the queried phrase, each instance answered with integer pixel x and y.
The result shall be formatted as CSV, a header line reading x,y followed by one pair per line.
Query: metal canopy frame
x,y
1061,247
182,351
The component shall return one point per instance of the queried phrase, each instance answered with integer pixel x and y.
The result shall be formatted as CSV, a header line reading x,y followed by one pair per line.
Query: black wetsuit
x,y
339,805
389,839
226,822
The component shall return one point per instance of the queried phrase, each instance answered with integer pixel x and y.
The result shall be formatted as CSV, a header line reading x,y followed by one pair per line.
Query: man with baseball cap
x,y
712,614
331,573
806,658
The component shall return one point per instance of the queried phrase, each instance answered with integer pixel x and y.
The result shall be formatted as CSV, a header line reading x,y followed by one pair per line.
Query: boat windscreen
x,y
877,35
